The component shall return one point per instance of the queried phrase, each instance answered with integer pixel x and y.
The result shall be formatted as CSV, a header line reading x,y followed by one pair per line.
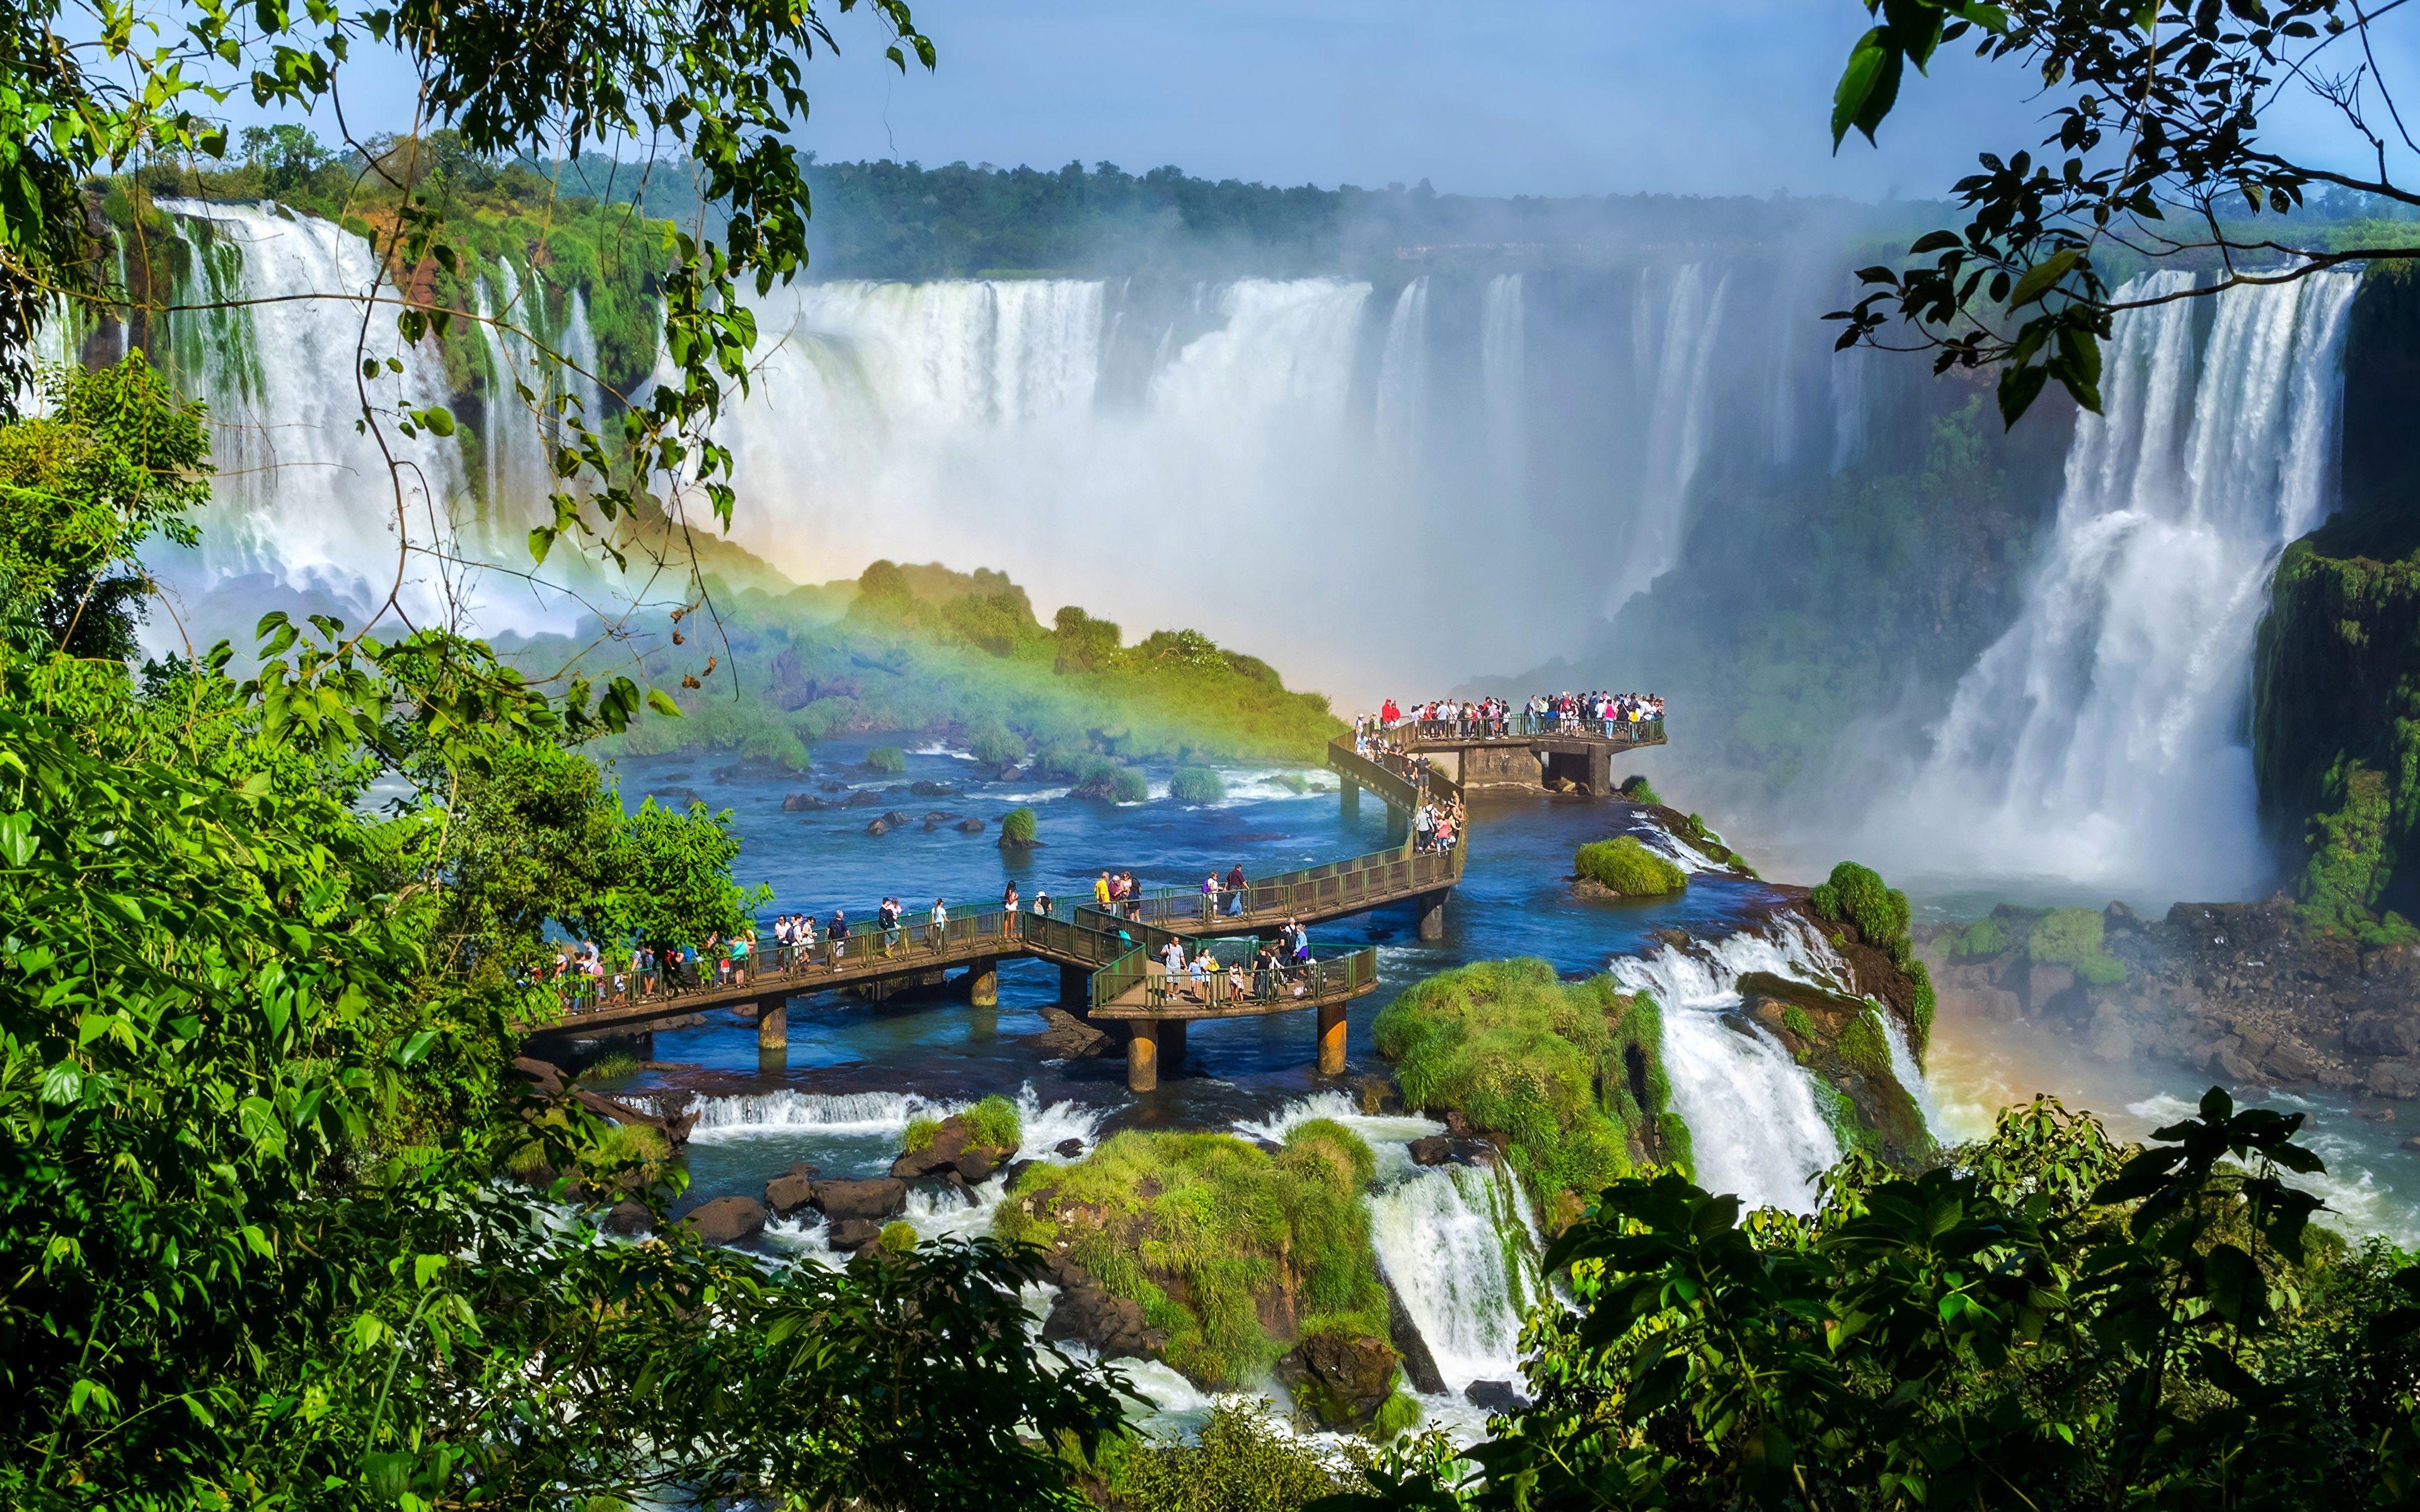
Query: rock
x,y
970,826
1015,1168
1432,1149
1086,1313
1458,1127
2111,1043
1068,1148
2044,982
832,787
2385,1035
1494,1395
1340,1382
1008,774
894,818
790,1191
2291,1062
2393,1078
1067,1037
2228,1065
803,803
629,1218
1420,1364
728,1220
2257,1041
928,788
544,1076
951,1151
879,827
675,799
2413,1144
849,1235
938,817
864,798
875,1198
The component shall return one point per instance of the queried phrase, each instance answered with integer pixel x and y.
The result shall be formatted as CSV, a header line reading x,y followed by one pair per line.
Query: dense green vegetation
x,y
1242,1460
1571,1072
1628,868
2043,1320
932,651
1017,828
254,1032
1196,785
1198,1228
1856,895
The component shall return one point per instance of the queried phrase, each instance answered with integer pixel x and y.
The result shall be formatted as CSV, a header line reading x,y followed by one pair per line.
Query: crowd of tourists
x,y
1613,714
1279,968
1437,827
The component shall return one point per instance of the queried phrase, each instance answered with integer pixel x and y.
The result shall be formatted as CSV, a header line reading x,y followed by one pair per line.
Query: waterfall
x,y
300,496
520,435
1754,1123
1672,346
1458,1245
1504,382
2102,737
1403,376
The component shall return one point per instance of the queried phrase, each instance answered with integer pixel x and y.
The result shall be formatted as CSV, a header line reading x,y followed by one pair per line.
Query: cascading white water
x,y
1754,1124
1403,376
1459,1246
1504,384
2100,739
301,496
1674,337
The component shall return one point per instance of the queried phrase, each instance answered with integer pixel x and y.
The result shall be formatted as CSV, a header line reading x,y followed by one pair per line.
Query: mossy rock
x,y
1840,1041
1628,869
888,759
1016,828
1197,784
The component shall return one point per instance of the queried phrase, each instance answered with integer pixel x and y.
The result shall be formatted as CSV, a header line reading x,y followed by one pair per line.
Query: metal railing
x,y
1326,888
1529,727
1236,982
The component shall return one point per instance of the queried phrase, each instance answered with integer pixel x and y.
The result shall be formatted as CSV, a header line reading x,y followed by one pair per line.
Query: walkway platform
x,y
1520,752
1108,961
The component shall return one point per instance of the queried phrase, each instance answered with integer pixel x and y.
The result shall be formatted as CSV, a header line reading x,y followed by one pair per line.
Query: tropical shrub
x,y
1017,828
1855,894
888,759
1196,785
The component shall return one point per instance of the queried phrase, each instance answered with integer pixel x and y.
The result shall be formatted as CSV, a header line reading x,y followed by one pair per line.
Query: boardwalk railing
x,y
1237,986
1390,785
1529,727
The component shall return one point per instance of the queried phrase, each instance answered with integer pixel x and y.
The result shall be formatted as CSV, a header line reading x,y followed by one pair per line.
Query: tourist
x,y
802,938
1203,967
1236,887
1042,902
838,935
1210,895
1171,961
941,921
1101,893
1238,984
1008,899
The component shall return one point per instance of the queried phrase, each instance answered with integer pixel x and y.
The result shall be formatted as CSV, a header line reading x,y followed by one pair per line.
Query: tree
x,y
2156,153
114,460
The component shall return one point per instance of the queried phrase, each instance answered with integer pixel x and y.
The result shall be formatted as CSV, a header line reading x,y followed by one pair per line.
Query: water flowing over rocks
x,y
2239,992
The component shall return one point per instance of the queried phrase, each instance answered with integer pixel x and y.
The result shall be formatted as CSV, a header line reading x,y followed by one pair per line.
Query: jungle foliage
x,y
1628,867
258,996
2046,1320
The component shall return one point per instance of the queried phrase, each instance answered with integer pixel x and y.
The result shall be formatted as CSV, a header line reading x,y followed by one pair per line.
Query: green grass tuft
x,y
1862,1046
1985,936
1858,896
1628,868
890,759
898,1238
1196,785
994,1121
920,1132
1017,828
1637,789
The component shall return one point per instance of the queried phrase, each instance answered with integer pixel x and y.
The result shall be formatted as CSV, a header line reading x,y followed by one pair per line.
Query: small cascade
x,y
1402,400
1673,338
2101,740
1459,1246
1503,380
787,1112
1753,1118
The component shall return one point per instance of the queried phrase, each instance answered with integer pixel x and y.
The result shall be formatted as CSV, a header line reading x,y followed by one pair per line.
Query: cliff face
x,y
2336,673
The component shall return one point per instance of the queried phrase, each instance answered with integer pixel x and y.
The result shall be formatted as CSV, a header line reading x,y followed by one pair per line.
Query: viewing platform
x,y
1110,969
1520,752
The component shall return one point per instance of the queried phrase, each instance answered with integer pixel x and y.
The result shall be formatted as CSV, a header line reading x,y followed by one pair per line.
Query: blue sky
x,y
1546,97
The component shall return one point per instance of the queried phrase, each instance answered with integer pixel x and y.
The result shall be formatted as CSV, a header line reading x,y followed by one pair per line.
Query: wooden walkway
x,y
1520,752
1110,961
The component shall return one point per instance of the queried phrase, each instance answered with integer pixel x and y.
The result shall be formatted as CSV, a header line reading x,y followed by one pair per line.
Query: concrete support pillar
x,y
982,984
1600,779
1171,1043
773,1025
1398,823
1142,1056
1074,988
1430,907
1331,1038
1352,801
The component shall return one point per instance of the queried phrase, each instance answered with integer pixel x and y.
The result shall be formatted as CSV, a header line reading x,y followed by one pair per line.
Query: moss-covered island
x,y
1226,1261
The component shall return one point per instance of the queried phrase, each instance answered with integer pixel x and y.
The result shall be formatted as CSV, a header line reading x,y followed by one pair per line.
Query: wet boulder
x,y
790,1191
1068,1148
1432,1150
952,1151
865,798
877,1197
928,789
1494,1397
879,827
834,786
727,1220
2385,1035
1087,1313
1067,1037
629,1218
804,803
1342,1381
852,1235
969,826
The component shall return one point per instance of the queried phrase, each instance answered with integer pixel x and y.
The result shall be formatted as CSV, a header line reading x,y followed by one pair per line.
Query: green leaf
x,y
2042,276
541,541
1867,62
17,841
415,1047
662,704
